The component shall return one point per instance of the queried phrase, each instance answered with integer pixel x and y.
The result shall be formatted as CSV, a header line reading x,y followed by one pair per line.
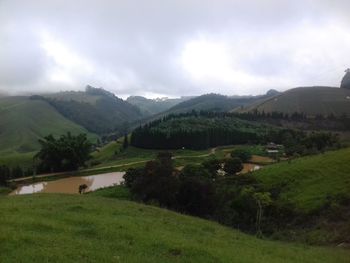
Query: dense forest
x,y
196,131
202,130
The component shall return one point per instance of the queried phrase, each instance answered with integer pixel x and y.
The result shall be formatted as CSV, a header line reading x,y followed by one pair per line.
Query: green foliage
x,y
242,154
195,170
23,121
125,142
212,165
66,153
107,113
197,131
232,166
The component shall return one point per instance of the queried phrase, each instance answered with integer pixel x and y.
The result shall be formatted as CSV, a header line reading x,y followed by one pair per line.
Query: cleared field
x,y
67,228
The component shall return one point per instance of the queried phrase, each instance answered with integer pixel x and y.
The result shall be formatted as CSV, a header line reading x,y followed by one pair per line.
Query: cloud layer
x,y
173,48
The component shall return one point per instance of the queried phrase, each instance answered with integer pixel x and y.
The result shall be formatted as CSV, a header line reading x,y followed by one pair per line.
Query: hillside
x,y
95,229
309,100
23,121
97,110
150,107
214,102
197,131
314,185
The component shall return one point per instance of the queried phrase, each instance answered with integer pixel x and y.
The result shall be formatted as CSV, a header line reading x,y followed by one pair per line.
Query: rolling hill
x,y
150,107
23,121
309,100
317,187
96,109
87,228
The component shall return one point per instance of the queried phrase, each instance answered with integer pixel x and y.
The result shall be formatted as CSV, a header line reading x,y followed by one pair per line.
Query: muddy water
x,y
70,185
249,167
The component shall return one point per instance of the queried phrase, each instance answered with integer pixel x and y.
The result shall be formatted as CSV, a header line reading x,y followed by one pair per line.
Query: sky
x,y
175,48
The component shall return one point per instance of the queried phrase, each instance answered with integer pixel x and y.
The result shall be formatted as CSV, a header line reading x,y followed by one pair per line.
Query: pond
x,y
70,185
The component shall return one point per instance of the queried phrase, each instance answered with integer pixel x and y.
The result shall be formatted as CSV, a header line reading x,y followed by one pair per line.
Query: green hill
x,y
150,107
23,121
309,100
72,228
97,110
317,187
213,102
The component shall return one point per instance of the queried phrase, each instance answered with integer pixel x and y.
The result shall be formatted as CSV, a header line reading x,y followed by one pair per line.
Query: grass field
x,y
307,182
88,228
23,122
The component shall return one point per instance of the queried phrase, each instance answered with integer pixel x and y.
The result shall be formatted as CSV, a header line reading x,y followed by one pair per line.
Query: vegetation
x,y
264,203
105,113
23,122
150,107
66,153
215,102
308,100
196,131
94,229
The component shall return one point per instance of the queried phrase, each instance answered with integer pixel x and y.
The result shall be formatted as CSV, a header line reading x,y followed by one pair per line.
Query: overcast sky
x,y
172,48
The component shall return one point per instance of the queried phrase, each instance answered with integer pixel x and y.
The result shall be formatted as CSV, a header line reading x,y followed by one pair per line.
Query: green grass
x,y
120,192
309,100
87,228
307,182
23,122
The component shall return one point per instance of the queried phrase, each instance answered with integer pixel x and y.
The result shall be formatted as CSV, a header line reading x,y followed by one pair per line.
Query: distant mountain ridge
x,y
150,107
312,101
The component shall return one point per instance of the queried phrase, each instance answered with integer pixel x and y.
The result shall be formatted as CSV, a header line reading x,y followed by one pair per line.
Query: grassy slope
x,y
310,100
71,228
309,180
23,122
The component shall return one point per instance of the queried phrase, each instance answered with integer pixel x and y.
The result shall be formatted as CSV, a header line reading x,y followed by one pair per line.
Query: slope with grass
x,y
69,228
23,121
96,109
317,190
309,100
307,182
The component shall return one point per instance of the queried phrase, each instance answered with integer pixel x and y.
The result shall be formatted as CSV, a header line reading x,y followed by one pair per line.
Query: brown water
x,y
70,185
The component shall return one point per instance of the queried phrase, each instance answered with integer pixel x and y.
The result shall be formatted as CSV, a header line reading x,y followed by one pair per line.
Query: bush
x,y
242,154
233,166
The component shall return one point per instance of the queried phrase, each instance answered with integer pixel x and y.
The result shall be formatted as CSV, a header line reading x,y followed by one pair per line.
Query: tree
x,y
125,142
194,170
233,166
4,174
242,154
68,152
212,165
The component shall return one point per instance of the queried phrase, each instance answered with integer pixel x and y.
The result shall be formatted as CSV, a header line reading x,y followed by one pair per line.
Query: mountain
x,y
215,102
23,121
96,109
309,100
150,107
89,228
345,83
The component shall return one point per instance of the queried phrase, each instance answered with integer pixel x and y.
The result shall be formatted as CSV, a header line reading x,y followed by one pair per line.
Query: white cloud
x,y
172,48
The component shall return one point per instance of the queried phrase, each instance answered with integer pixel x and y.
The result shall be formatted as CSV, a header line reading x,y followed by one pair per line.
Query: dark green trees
x,y
66,153
242,154
233,166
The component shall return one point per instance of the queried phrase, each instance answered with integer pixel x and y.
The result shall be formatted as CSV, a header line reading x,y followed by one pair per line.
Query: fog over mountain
x,y
172,48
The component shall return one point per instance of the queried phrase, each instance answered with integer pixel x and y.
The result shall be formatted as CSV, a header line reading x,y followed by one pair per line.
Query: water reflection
x,y
70,185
